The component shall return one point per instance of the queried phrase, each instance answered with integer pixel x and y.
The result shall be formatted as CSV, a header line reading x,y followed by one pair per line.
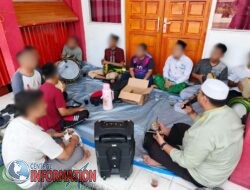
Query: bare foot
x,y
149,161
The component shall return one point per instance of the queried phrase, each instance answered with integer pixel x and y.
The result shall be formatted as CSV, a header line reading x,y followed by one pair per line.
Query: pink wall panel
x,y
10,37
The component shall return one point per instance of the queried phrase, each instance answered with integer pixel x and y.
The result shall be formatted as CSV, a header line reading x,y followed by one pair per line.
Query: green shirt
x,y
211,147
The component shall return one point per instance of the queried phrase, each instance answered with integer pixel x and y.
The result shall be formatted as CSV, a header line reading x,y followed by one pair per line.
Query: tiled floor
x,y
140,178
5,100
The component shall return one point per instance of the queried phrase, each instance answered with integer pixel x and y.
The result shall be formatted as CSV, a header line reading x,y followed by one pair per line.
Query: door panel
x,y
148,39
176,9
144,26
152,8
160,23
196,9
186,20
175,27
193,28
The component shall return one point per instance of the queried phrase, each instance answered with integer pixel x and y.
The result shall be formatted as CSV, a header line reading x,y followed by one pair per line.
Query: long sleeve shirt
x,y
75,53
178,70
212,147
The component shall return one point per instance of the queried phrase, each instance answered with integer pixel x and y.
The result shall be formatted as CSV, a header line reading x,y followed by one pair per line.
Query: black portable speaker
x,y
115,147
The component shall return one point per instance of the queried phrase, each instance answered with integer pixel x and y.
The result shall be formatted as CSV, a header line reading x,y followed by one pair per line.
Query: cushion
x,y
241,174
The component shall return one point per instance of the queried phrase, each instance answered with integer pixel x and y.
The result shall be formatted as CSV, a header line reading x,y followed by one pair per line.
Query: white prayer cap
x,y
215,89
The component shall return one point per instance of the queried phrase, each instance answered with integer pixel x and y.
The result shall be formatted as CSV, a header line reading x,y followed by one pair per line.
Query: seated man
x,y
176,71
72,50
235,79
212,67
57,110
141,65
24,140
26,77
113,61
207,152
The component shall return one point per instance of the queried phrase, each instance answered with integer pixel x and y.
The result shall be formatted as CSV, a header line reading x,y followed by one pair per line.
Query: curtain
x,y
4,75
48,39
106,11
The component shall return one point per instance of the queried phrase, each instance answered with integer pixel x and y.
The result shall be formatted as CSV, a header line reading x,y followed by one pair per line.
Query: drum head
x,y
68,70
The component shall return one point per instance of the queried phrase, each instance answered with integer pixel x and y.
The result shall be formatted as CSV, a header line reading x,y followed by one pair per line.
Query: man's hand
x,y
74,138
168,84
104,62
56,134
63,86
81,108
159,138
163,130
200,78
188,109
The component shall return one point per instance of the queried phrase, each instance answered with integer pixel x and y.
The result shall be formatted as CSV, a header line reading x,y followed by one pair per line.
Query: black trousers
x,y
73,120
174,139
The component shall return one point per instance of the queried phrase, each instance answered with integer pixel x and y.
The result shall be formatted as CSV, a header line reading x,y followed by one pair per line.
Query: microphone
x,y
190,102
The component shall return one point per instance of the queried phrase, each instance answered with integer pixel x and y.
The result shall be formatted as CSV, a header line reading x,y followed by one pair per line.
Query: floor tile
x,y
176,186
5,100
232,186
183,182
140,178
143,181
112,183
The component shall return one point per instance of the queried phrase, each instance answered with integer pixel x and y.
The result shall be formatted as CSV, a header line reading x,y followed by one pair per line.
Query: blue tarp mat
x,y
142,116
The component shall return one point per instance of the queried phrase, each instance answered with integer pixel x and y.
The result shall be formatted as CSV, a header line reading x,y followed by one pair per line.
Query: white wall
x,y
96,34
238,42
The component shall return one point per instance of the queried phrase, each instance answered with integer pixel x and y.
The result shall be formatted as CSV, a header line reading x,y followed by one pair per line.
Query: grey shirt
x,y
204,67
20,82
75,53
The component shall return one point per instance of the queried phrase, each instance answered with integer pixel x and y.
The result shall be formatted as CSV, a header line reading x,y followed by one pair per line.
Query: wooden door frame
x,y
202,38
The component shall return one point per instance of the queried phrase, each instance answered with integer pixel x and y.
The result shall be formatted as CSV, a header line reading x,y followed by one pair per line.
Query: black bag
x,y
117,87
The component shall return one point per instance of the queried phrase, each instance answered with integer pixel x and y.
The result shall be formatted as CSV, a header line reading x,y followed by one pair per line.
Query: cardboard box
x,y
136,91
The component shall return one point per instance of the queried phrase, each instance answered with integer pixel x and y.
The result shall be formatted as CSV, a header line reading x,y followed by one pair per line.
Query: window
x,y
106,11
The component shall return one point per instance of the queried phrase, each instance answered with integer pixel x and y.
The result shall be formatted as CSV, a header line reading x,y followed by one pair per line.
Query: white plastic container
x,y
107,97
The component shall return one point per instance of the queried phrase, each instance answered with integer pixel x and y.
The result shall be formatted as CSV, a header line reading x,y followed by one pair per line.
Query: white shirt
x,y
237,74
33,82
178,70
26,141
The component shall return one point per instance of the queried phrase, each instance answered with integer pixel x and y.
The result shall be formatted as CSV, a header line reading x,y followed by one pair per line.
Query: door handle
x,y
165,23
158,24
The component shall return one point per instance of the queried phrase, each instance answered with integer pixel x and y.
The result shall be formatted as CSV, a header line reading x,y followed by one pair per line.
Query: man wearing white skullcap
x,y
207,152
